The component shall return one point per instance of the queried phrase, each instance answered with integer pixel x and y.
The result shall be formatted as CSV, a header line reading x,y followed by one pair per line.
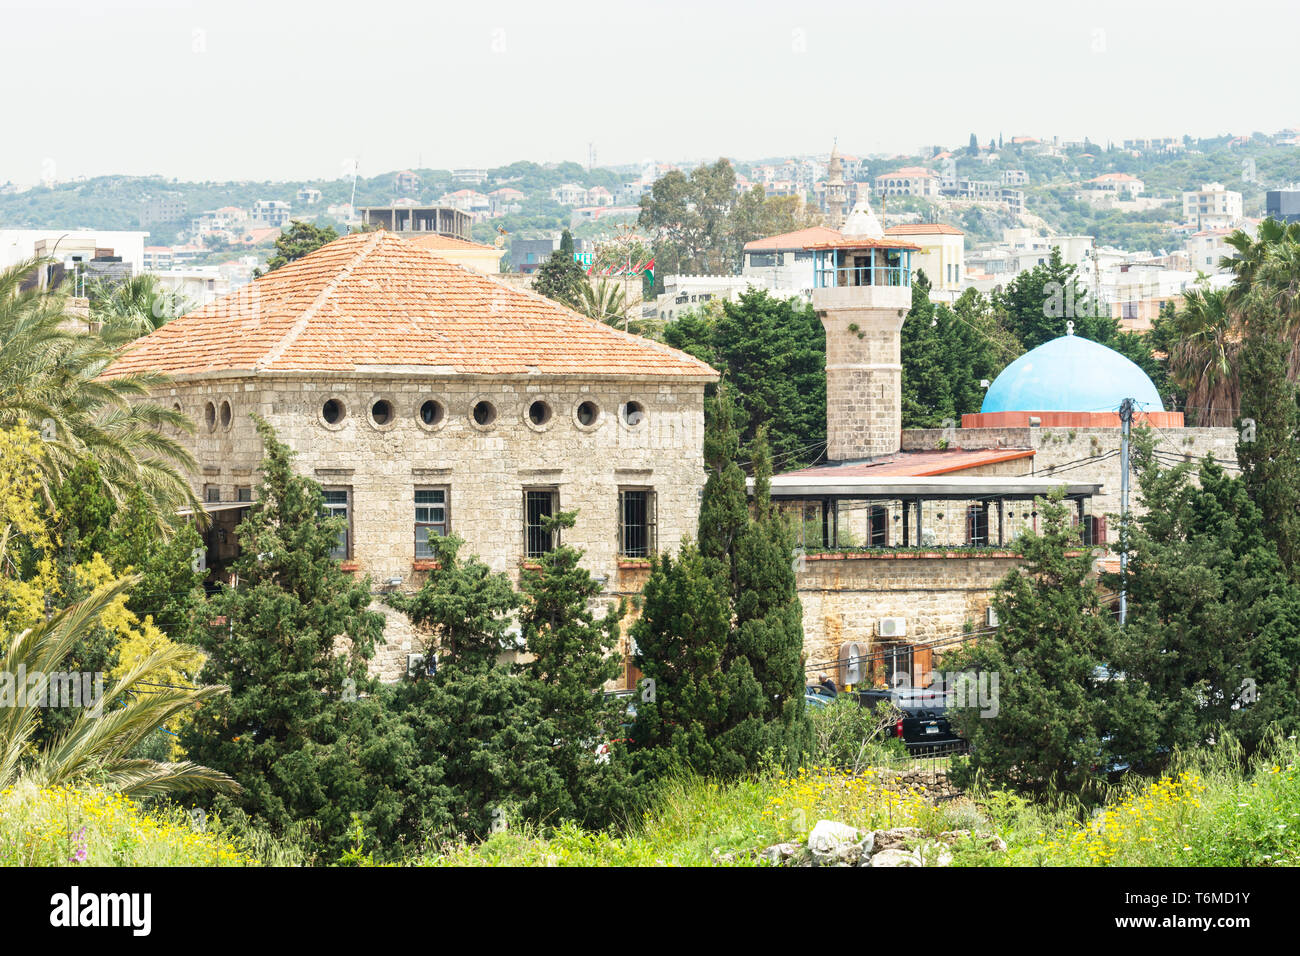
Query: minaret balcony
x,y
861,275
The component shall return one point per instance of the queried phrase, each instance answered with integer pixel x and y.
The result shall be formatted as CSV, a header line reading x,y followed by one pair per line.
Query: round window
x,y
633,414
381,413
588,412
226,415
210,415
332,411
432,413
539,413
485,413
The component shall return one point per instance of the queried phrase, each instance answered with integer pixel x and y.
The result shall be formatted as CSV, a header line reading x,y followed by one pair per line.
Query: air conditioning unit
x,y
990,617
853,663
892,627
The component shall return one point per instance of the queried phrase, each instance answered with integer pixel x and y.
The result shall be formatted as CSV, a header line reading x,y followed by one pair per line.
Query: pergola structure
x,y
987,503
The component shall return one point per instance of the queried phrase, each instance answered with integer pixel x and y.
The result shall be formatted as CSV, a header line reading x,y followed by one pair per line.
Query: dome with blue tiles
x,y
1071,374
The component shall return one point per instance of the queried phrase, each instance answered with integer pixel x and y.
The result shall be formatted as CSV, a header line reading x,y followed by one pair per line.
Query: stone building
x,y
903,535
898,549
428,399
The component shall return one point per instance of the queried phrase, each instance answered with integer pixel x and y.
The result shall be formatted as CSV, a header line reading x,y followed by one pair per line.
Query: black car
x,y
923,721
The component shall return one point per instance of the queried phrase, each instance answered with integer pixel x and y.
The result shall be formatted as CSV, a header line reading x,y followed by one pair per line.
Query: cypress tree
x,y
292,640
1054,703
724,512
721,631
688,697
1213,629
475,720
1268,452
573,656
560,277
768,617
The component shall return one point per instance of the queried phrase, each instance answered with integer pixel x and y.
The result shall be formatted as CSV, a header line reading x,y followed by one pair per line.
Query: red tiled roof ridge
x,y
911,228
373,300
321,298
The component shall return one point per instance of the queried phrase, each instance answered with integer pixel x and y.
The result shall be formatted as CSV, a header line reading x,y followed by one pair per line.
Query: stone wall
x,y
1084,454
864,373
939,595
485,469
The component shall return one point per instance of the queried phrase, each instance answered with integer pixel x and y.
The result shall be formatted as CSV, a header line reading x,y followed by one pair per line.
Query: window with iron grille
x,y
212,494
539,503
338,504
977,525
430,518
636,522
244,494
878,527
896,662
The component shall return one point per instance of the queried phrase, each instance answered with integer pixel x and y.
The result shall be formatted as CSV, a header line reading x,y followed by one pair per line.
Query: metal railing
x,y
828,277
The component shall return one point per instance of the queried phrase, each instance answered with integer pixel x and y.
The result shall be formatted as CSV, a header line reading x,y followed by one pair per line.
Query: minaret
x,y
836,191
862,291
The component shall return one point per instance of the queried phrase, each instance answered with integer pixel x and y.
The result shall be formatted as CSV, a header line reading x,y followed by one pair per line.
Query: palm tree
x,y
1203,360
1213,325
603,301
134,307
50,380
1255,254
98,745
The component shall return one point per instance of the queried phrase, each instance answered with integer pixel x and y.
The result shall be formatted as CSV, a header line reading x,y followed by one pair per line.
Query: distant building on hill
x,y
162,209
271,212
442,220
1283,204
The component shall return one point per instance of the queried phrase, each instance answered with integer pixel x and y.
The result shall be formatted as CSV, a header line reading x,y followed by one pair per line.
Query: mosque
x,y
903,534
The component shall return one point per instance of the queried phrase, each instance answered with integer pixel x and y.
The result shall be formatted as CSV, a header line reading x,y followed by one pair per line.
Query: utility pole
x,y
1126,420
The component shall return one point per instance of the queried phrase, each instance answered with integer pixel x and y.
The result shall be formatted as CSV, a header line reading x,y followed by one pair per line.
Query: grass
x,y
1211,809
62,827
698,822
1206,811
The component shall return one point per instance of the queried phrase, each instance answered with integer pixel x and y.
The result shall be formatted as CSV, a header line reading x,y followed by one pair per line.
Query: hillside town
x,y
863,505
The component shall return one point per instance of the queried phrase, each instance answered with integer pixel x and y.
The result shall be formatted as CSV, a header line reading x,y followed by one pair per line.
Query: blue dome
x,y
1071,374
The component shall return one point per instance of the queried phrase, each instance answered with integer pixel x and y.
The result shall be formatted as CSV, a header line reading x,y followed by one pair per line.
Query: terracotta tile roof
x,y
798,239
923,229
434,242
864,242
915,464
910,172
372,299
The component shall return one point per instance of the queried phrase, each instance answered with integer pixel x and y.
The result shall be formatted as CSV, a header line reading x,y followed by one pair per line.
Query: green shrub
x,y
852,737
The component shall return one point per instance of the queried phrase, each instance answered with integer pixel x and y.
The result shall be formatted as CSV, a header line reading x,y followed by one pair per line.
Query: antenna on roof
x,y
353,201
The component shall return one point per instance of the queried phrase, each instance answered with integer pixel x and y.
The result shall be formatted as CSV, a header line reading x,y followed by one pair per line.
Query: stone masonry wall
x,y
863,381
485,468
939,596
1073,452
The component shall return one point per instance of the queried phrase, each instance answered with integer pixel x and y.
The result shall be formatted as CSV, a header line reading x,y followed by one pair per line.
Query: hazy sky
x,y
274,90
